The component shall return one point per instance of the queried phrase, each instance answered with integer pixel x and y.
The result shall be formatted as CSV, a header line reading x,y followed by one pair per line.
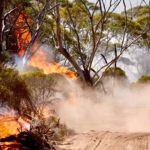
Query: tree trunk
x,y
87,77
115,63
61,49
1,22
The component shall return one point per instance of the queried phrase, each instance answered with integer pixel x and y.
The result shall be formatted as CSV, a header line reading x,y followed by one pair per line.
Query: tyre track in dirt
x,y
107,141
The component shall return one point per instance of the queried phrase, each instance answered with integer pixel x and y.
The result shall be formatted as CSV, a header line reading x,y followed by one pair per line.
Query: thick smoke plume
x,y
123,108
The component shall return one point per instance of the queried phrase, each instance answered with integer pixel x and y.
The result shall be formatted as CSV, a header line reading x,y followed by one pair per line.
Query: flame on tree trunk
x,y
22,32
39,59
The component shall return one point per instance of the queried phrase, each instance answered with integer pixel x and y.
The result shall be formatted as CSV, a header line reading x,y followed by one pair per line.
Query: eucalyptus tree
x,y
90,28
82,31
141,16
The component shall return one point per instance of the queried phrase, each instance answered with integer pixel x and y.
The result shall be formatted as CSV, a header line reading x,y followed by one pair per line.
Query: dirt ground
x,y
107,141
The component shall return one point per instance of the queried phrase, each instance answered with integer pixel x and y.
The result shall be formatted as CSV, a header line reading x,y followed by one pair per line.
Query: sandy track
x,y
107,141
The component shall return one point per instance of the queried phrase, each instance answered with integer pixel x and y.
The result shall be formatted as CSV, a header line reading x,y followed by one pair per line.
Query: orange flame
x,y
8,126
40,60
22,32
11,125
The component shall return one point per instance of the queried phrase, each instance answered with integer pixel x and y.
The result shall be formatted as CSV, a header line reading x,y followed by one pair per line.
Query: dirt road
x,y
107,141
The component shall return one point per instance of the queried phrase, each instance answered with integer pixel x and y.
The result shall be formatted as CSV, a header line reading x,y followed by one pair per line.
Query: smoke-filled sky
x,y
129,3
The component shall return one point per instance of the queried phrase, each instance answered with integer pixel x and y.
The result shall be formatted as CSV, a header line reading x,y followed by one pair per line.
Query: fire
x,y
8,126
40,60
11,125
22,32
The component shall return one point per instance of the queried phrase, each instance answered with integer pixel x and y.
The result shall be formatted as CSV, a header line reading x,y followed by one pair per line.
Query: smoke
x,y
40,53
6,111
123,109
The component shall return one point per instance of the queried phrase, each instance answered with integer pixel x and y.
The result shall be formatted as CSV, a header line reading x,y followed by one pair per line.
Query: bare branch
x,y
116,58
39,22
77,37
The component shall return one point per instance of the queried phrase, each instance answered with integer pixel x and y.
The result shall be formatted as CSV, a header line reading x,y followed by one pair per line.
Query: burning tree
x,y
83,40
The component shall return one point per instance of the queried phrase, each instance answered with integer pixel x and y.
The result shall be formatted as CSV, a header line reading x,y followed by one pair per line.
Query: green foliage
x,y
14,92
116,23
141,16
144,79
83,31
40,86
117,72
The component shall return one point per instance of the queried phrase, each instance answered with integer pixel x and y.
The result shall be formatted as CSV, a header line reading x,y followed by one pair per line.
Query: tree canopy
x,y
78,31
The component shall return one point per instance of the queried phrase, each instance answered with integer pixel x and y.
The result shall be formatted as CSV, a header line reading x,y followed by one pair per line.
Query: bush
x,y
117,72
51,129
13,91
41,89
144,79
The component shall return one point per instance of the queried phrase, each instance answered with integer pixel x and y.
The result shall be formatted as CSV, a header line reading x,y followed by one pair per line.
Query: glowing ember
x,y
40,60
22,32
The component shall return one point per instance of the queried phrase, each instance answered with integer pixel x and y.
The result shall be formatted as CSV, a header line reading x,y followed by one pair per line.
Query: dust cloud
x,y
124,108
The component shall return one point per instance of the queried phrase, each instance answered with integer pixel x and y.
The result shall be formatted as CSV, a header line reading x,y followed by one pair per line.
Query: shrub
x,y
118,72
13,91
144,79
